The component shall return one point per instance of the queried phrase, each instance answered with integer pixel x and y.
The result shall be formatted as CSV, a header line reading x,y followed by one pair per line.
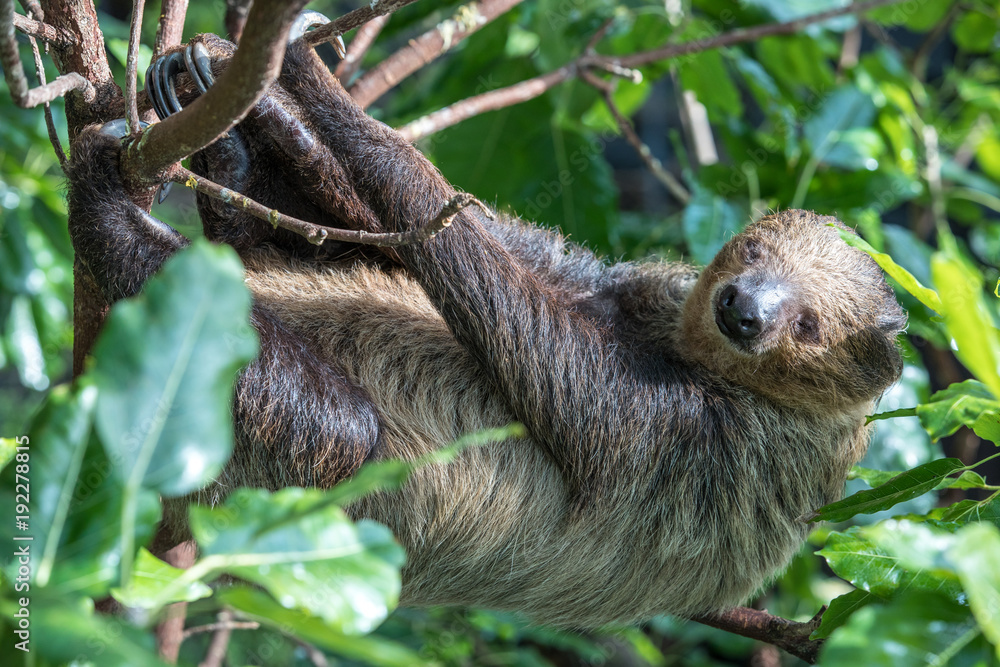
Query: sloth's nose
x,y
743,313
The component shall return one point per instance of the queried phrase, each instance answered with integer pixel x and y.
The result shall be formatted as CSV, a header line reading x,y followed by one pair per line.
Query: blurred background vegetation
x,y
891,123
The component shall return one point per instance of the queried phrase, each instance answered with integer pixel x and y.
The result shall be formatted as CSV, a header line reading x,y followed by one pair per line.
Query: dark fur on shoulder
x,y
680,422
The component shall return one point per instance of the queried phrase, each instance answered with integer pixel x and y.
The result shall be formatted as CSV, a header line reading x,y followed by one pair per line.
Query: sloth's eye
x,y
752,251
806,326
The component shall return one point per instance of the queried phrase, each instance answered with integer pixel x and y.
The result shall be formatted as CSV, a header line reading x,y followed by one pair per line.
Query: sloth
x,y
680,423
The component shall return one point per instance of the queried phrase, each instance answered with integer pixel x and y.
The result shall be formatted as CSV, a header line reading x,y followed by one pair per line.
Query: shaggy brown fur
x,y
669,459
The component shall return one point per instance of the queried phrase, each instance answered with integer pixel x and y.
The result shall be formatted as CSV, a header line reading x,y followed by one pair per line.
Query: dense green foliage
x,y
901,142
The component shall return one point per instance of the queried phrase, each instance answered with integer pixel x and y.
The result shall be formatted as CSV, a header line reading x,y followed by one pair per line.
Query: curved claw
x,y
310,19
199,65
160,84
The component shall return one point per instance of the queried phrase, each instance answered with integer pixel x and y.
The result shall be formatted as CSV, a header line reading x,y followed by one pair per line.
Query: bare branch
x,y
50,124
317,234
351,20
170,29
426,48
363,40
251,70
33,8
762,626
212,627
741,35
236,18
668,180
13,71
132,66
42,31
617,65
489,101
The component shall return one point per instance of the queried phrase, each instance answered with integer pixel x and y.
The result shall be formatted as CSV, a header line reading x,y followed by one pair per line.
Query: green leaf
x,y
844,109
899,634
840,610
165,364
345,573
66,631
926,296
970,479
960,404
257,605
705,74
902,487
853,556
970,511
872,477
918,547
976,554
975,32
151,577
51,460
709,221
967,317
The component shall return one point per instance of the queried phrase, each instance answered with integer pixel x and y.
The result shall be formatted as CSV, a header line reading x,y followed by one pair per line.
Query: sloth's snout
x,y
745,312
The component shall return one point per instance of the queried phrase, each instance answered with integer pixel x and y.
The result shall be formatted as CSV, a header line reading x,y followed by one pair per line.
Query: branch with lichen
x,y
318,234
790,636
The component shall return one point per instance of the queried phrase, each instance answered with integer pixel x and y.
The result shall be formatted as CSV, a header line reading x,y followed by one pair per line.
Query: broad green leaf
x,y
919,629
987,427
907,485
970,511
67,631
871,477
165,364
710,221
305,552
844,109
970,479
705,74
840,609
258,606
975,32
8,447
151,577
51,463
925,295
853,556
918,547
960,404
976,554
967,318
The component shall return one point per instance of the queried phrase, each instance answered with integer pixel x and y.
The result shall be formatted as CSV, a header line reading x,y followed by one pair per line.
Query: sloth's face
x,y
786,303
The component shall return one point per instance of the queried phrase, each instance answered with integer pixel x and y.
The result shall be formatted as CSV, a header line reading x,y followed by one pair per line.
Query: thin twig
x,y
426,48
43,31
222,624
170,28
50,123
220,641
762,626
351,20
618,65
356,50
668,180
316,656
13,71
317,234
488,101
132,66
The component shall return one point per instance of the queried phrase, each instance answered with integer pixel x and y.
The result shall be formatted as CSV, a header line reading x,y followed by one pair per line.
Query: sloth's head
x,y
789,310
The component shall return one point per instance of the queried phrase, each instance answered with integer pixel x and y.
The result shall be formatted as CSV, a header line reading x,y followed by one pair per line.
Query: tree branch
x,y
426,48
351,20
791,636
43,31
674,186
50,124
317,234
170,29
13,71
132,66
618,65
251,70
363,40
